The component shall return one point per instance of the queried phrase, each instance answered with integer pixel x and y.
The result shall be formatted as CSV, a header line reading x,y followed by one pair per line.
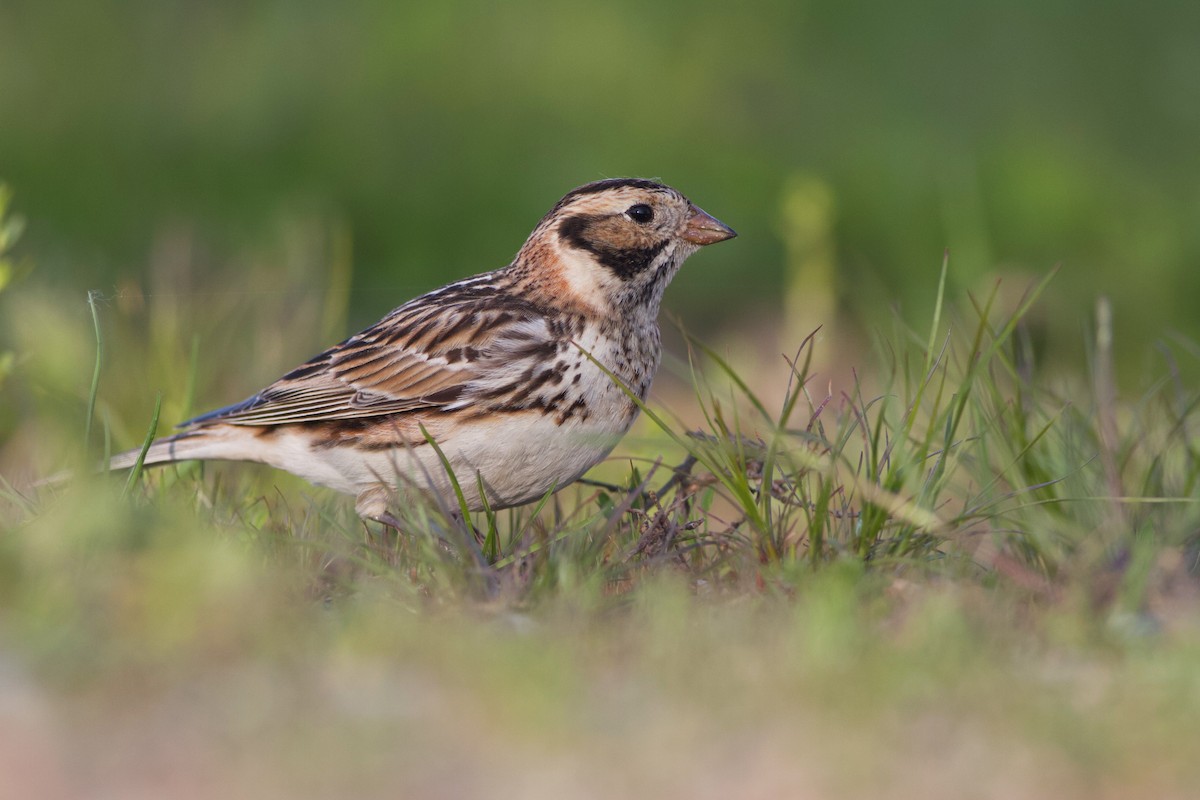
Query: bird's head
x,y
615,244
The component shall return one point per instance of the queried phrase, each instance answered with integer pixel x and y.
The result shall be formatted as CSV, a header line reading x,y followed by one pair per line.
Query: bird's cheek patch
x,y
625,259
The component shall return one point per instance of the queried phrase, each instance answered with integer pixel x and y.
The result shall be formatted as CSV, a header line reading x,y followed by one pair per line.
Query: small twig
x,y
682,471
608,487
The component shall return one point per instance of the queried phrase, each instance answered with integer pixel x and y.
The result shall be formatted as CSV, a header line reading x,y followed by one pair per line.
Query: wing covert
x,y
424,355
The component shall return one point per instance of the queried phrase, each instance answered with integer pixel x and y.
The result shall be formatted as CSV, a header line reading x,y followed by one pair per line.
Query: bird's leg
x,y
386,519
467,526
372,504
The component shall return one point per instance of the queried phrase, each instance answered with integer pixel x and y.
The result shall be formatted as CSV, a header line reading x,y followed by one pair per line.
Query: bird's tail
x,y
186,446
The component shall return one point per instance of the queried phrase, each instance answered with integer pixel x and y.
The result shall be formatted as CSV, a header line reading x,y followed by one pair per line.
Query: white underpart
x,y
517,461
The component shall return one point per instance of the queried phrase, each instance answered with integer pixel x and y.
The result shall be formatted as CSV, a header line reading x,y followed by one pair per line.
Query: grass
x,y
974,576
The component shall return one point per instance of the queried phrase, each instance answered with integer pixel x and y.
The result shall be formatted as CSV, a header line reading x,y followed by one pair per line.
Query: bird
x,y
512,383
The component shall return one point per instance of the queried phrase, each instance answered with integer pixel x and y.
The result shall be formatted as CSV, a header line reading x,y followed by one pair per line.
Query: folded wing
x,y
427,354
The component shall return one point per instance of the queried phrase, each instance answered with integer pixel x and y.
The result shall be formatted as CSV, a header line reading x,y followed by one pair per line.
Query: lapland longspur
x,y
500,370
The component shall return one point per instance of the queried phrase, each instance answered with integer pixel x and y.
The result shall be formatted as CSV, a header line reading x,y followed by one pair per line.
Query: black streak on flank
x,y
353,433
538,350
551,376
624,262
579,405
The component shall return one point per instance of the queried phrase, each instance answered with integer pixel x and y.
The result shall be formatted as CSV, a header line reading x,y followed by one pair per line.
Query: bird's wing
x,y
428,353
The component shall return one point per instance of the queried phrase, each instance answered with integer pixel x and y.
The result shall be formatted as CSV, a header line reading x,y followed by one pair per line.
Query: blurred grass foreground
x,y
882,531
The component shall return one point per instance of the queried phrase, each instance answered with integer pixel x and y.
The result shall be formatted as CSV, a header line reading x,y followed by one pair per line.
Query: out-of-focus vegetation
x,y
1016,134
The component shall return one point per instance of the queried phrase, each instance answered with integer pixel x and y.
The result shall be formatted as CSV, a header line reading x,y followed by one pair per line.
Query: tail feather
x,y
214,443
186,446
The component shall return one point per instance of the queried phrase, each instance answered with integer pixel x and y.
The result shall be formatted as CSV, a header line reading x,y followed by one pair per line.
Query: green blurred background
x,y
1018,135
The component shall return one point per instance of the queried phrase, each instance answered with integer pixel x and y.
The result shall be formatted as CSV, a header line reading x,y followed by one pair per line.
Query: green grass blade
x,y
458,492
95,388
491,541
136,472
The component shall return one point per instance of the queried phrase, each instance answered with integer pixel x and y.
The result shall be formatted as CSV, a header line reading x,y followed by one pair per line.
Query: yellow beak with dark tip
x,y
705,229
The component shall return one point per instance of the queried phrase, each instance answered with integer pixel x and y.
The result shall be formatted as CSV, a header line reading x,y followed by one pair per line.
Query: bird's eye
x,y
641,213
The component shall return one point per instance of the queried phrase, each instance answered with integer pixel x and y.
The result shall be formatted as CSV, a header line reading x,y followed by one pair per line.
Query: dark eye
x,y
641,213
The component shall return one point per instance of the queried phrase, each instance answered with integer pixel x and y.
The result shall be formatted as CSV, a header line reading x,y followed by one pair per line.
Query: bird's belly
x,y
520,458
517,457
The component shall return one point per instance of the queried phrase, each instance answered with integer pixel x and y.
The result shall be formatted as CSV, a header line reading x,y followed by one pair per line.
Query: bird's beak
x,y
703,229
